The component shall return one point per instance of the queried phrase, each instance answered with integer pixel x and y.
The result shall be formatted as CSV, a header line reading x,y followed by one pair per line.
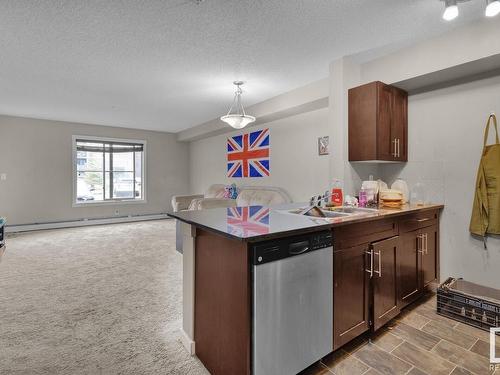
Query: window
x,y
108,170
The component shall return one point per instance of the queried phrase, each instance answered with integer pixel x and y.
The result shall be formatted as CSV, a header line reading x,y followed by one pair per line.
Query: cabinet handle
x,y
379,272
370,271
426,243
420,244
422,220
395,153
399,154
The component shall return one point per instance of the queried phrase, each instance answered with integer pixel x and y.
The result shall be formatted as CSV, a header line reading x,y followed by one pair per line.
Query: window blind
x,y
114,147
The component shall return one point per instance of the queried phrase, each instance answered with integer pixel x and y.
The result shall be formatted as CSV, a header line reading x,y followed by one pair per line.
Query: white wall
x,y
295,164
446,130
36,155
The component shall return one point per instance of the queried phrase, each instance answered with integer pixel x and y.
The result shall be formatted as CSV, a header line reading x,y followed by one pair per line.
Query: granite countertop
x,y
257,223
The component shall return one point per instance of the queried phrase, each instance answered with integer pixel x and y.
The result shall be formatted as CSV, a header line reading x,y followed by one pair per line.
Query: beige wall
x,y
36,155
295,164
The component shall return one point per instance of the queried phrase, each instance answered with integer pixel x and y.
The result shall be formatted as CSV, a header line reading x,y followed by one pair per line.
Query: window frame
x,y
118,201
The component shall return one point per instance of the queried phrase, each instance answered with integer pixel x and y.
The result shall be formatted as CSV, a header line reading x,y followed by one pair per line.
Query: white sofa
x,y
213,198
247,196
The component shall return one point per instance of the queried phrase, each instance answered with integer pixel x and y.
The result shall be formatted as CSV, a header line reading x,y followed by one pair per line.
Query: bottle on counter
x,y
363,198
337,193
418,195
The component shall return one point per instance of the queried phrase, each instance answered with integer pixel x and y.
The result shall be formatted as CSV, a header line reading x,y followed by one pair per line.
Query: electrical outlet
x,y
3,176
117,212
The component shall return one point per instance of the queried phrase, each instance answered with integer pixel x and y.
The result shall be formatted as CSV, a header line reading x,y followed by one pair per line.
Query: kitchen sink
x,y
333,212
351,210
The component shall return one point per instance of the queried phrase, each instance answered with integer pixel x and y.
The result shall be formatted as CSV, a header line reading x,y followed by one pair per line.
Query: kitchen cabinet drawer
x,y
418,220
357,234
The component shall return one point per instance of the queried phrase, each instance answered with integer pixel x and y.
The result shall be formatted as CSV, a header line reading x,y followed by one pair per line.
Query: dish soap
x,y
337,194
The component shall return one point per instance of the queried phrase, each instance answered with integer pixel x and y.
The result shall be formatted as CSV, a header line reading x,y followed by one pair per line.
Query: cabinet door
x,y
350,294
408,260
399,124
385,285
429,239
386,147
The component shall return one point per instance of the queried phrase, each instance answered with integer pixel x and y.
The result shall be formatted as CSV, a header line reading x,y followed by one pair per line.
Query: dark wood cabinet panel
x,y
378,123
409,279
350,294
384,139
385,282
429,239
222,304
362,233
362,131
399,123
418,220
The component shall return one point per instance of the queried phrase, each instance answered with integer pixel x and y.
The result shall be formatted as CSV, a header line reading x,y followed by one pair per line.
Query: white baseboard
x,y
82,223
187,342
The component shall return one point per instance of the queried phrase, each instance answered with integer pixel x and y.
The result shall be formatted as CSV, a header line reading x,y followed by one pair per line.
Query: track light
x,y
450,10
492,8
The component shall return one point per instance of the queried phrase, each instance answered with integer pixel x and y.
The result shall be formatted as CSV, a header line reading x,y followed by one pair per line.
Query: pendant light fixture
x,y
236,116
492,8
450,10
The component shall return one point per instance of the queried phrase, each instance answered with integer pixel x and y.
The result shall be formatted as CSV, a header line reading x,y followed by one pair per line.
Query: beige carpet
x,y
93,300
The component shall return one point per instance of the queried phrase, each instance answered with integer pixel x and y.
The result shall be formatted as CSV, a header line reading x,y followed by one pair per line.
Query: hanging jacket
x,y
486,208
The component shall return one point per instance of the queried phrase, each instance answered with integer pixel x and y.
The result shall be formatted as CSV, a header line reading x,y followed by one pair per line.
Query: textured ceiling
x,y
168,65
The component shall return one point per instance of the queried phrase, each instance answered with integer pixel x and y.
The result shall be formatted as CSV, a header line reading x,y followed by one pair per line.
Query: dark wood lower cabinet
x,y
429,254
385,283
409,275
418,263
405,262
222,321
351,291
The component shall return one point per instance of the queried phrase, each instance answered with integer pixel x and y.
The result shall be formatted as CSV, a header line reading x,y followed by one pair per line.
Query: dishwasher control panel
x,y
273,250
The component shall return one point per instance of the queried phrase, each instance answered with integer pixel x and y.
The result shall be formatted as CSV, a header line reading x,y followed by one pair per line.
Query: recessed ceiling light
x,y
492,8
450,10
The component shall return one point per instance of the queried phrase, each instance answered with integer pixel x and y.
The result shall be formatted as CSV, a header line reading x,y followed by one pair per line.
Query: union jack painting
x,y
248,155
248,221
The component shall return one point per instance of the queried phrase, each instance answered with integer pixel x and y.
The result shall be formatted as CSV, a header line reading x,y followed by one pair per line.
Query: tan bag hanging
x,y
486,208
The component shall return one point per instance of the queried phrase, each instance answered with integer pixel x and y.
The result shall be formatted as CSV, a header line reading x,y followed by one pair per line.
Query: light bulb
x,y
492,8
451,10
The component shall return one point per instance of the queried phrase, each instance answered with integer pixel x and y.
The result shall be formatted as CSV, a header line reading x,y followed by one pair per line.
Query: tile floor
x,y
418,342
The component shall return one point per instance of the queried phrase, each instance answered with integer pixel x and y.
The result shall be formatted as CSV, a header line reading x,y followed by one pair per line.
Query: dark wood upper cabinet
x,y
378,123
385,281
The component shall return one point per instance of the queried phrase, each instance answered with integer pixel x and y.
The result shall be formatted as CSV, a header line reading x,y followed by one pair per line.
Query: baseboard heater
x,y
83,222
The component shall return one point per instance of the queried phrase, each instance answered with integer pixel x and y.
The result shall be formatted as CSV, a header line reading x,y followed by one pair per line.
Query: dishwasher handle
x,y
297,248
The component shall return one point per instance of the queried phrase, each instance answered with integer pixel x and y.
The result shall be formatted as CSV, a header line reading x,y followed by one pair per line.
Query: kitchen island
x,y
379,261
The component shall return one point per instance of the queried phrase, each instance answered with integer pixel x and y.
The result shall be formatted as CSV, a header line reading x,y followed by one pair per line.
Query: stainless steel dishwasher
x,y
292,303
